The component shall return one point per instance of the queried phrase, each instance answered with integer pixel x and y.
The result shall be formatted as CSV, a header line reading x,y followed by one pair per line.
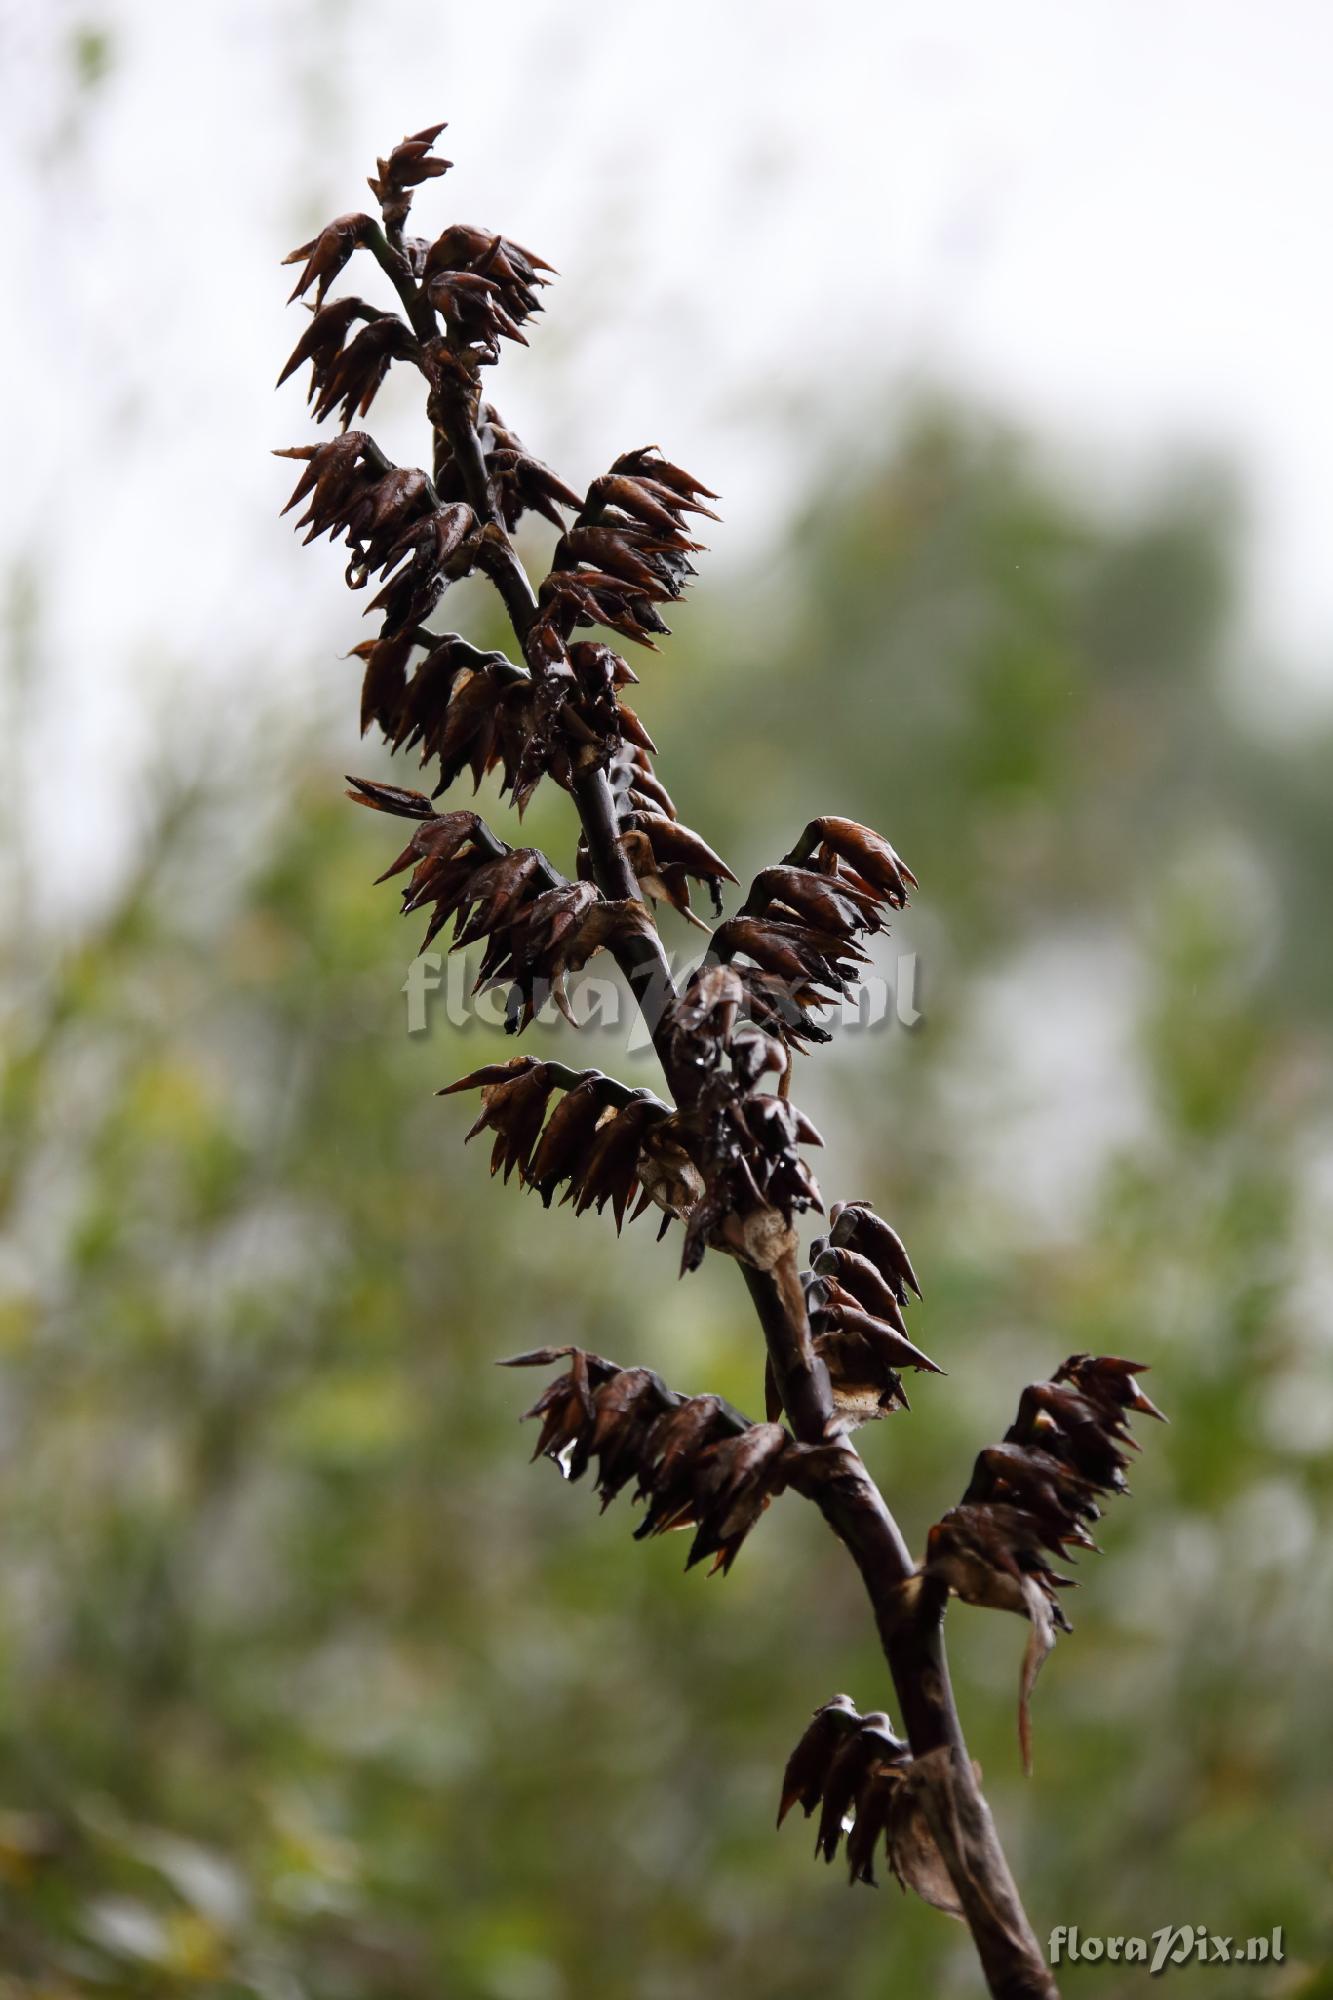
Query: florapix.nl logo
x,y
1170,1946
443,986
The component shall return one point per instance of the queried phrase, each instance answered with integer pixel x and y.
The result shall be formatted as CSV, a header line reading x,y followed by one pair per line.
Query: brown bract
x,y
1033,1497
603,1143
798,932
536,927
855,1295
324,256
694,1461
860,1778
411,162
626,552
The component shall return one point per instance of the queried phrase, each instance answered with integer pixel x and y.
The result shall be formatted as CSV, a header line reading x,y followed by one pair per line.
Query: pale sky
x,y
1108,218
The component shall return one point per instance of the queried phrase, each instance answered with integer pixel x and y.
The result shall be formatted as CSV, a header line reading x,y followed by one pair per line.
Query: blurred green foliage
x,y
314,1690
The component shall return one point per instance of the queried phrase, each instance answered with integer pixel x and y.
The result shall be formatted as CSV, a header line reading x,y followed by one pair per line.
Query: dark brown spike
x,y
325,254
647,463
856,1225
869,855
391,799
808,1766
323,338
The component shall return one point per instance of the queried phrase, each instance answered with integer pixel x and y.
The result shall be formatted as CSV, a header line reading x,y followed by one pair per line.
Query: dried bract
x,y
411,162
696,1461
861,1779
1033,1497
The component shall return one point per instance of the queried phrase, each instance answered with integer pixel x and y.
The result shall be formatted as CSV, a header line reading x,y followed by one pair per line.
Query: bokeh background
x,y
1004,332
